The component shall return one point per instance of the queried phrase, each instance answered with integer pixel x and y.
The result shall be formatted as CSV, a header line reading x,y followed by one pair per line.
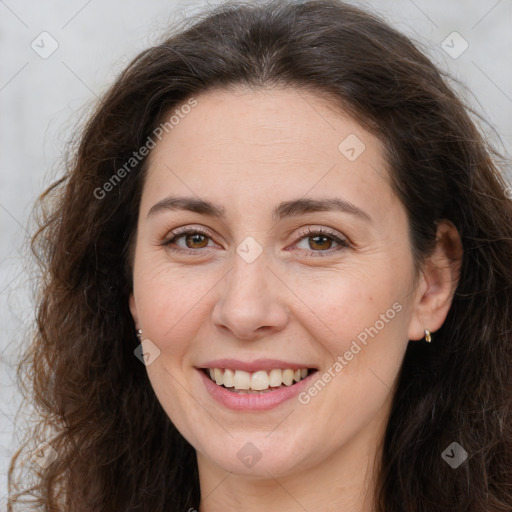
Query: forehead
x,y
249,145
283,117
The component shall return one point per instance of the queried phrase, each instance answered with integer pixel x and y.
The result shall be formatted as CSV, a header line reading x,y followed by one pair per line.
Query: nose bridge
x,y
249,299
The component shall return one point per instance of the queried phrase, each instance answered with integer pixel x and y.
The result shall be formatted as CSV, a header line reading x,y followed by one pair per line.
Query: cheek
x,y
340,304
362,325
169,302
360,317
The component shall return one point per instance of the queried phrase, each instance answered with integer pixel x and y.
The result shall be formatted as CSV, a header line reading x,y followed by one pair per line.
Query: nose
x,y
251,301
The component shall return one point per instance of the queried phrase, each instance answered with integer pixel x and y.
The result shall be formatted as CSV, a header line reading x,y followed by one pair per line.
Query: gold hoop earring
x,y
428,337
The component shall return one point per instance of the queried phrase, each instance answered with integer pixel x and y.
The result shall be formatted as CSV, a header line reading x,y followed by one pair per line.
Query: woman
x,y
277,276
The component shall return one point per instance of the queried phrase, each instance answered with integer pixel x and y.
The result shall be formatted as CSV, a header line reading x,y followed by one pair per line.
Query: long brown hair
x,y
116,448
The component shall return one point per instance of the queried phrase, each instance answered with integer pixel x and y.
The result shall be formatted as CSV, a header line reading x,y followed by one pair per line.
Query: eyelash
x,y
343,244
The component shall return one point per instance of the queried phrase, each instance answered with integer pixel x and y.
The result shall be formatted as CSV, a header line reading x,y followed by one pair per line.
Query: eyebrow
x,y
285,209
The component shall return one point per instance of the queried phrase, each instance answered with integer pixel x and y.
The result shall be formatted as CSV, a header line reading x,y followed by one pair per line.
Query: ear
x,y
133,310
437,282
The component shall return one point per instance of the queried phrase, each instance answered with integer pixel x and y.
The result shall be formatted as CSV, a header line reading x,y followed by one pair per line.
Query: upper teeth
x,y
257,381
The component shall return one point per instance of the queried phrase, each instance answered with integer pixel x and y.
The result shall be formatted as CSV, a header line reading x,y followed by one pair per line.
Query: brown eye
x,y
320,242
191,241
196,240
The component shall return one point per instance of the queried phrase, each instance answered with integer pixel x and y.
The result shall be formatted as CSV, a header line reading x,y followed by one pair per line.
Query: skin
x,y
248,150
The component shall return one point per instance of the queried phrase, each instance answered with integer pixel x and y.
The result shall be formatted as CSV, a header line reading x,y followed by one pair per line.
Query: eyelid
x,y
324,231
185,230
342,241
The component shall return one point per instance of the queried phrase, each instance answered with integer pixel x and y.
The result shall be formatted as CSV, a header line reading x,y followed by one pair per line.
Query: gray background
x,y
42,99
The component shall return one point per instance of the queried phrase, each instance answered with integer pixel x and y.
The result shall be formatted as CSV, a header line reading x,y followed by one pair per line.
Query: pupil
x,y
194,239
324,238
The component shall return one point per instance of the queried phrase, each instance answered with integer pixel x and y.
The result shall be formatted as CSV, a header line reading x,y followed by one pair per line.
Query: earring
x,y
428,337
139,334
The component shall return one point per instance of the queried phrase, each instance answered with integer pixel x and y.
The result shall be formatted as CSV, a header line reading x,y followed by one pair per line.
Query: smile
x,y
261,381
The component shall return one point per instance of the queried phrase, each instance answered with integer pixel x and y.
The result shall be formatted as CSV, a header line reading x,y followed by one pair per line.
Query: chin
x,y
257,455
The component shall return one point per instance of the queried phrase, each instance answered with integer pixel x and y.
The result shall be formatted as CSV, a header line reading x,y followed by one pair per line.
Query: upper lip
x,y
255,365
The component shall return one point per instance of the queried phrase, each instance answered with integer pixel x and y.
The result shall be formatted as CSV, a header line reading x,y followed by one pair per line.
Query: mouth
x,y
258,382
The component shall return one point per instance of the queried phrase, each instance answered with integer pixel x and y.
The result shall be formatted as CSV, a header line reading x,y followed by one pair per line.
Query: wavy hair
x,y
116,448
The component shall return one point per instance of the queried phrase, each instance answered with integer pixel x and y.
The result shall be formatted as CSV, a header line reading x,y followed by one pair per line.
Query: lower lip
x,y
252,402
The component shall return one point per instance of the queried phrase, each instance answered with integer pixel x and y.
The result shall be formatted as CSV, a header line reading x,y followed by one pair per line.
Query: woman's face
x,y
269,241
